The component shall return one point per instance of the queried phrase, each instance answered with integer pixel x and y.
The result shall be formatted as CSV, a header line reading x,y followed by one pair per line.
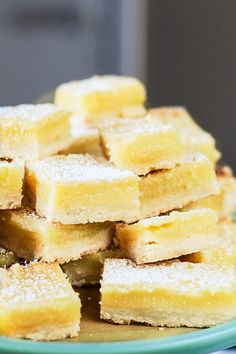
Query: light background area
x,y
46,42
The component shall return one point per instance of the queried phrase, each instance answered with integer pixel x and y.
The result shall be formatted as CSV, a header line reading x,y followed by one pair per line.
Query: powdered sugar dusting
x,y
28,112
181,277
138,126
99,83
33,282
77,168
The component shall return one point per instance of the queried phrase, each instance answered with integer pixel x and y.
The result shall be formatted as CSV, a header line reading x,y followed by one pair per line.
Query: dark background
x,y
184,50
192,62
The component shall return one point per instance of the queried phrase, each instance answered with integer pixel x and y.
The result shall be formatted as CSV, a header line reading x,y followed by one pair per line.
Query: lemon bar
x,y
224,254
141,146
223,203
76,189
33,131
193,136
38,302
11,183
33,237
88,269
100,97
193,178
168,236
172,295
7,258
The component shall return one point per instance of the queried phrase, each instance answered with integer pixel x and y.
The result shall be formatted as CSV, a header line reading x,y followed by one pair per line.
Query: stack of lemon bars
x,y
95,189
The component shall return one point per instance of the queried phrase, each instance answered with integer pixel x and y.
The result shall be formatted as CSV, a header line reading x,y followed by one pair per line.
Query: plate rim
x,y
217,338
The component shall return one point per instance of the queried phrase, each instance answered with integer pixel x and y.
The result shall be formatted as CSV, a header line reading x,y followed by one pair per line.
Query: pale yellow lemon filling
x,y
56,130
177,227
169,189
144,152
122,298
30,237
10,180
223,203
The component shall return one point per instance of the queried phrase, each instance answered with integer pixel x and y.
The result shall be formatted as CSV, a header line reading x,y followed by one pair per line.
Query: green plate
x,y
98,337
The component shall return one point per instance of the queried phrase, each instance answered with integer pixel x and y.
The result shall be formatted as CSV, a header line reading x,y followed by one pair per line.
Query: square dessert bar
x,y
88,270
193,137
11,183
141,146
102,96
38,303
223,203
173,294
225,253
76,189
168,236
33,237
192,178
33,131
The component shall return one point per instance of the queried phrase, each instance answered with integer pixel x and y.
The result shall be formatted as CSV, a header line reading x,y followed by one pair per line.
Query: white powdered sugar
x,y
98,83
77,168
31,283
181,277
28,112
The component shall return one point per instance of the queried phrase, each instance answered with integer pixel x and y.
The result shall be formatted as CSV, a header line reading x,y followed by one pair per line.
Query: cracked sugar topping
x,y
137,126
99,83
77,168
36,281
28,112
179,277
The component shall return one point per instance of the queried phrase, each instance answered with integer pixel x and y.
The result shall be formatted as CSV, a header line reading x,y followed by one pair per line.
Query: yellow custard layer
x,y
192,178
33,237
223,203
169,236
141,146
225,253
194,138
162,298
33,131
79,189
102,96
11,183
38,302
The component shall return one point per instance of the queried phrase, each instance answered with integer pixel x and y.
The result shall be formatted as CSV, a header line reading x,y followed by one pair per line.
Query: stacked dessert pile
x,y
95,180
38,300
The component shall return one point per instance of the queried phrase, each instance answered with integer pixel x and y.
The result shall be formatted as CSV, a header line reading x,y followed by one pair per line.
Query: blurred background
x,y
184,51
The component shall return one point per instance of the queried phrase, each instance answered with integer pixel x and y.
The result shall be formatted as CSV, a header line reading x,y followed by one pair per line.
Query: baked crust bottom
x,y
169,317
51,333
